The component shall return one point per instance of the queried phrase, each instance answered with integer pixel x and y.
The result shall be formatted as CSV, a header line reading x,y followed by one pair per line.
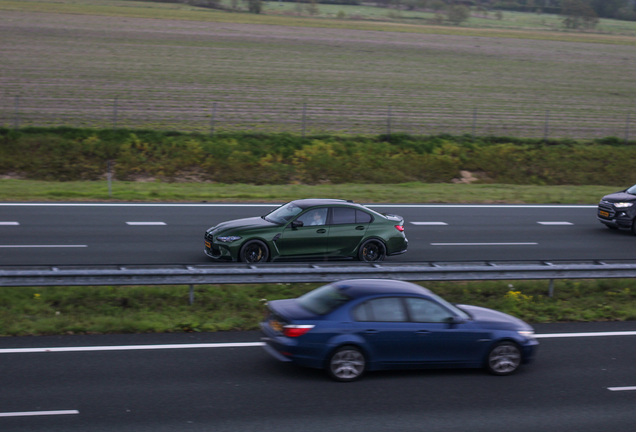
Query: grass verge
x,y
32,190
98,310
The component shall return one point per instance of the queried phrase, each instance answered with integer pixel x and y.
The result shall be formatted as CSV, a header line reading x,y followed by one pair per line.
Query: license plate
x,y
207,244
603,213
276,325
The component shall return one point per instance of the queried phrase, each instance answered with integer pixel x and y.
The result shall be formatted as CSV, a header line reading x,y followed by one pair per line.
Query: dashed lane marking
x,y
38,413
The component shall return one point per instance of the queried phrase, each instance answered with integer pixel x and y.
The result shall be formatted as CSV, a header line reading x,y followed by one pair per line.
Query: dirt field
x,y
99,71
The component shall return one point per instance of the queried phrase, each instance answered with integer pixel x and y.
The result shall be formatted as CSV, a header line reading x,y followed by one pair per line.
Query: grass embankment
x,y
90,310
414,192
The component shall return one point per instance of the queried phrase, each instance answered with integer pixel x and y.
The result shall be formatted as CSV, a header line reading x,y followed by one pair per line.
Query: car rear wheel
x,y
346,364
254,251
372,250
504,358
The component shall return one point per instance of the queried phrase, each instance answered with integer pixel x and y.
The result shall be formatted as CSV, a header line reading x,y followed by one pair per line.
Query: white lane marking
x,y
38,413
248,344
43,246
131,347
622,388
555,223
429,223
590,334
145,223
9,223
484,244
538,206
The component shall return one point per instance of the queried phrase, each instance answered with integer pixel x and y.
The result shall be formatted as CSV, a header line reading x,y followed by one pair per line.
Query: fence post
x,y
109,176
115,114
388,122
627,129
16,120
213,118
191,297
474,122
551,288
546,127
304,117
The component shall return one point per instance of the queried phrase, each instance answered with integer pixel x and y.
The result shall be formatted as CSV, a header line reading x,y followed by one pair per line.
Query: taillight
x,y
296,330
400,228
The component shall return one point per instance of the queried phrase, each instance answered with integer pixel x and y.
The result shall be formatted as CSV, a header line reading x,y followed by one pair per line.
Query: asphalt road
x,y
243,389
59,234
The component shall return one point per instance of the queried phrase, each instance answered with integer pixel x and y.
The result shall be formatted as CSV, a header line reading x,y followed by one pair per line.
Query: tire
x,y
504,358
254,251
372,251
634,227
346,364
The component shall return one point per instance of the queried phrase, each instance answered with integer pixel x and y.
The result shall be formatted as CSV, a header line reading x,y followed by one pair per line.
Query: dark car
x,y
618,210
309,229
353,326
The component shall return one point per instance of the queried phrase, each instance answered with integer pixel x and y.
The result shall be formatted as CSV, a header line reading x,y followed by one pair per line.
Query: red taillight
x,y
400,228
296,330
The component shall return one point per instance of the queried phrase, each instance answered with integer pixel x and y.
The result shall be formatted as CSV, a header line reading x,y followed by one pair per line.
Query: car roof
x,y
356,288
312,202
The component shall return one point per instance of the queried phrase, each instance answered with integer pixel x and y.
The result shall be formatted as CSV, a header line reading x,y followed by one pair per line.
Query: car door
x,y
347,227
436,339
382,324
307,240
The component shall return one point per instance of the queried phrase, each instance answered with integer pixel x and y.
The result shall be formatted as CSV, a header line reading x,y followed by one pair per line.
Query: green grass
x,y
93,310
260,69
31,190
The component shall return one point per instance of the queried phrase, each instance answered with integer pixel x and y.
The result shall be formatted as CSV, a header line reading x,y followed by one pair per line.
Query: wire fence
x,y
306,118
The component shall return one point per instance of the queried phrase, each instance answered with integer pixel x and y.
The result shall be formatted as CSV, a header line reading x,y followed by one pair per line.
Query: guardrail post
x,y
191,299
551,288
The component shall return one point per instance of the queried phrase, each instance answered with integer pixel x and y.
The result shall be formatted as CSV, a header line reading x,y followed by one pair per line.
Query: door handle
x,y
321,231
370,331
422,332
360,228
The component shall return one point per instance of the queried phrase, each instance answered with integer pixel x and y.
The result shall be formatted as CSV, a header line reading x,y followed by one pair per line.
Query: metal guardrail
x,y
197,274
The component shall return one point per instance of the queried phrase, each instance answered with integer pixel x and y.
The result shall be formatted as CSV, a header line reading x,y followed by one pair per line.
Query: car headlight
x,y
527,334
228,239
623,205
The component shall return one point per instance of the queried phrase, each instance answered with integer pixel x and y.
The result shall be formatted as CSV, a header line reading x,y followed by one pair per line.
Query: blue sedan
x,y
353,326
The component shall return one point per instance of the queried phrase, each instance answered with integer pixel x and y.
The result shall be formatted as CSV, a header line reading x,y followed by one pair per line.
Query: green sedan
x,y
309,229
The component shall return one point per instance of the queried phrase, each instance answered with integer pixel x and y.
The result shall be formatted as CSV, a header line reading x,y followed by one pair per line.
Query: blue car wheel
x,y
504,358
346,364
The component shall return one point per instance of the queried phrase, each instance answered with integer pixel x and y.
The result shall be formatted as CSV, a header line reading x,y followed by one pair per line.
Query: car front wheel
x,y
346,364
372,250
254,251
504,358
634,227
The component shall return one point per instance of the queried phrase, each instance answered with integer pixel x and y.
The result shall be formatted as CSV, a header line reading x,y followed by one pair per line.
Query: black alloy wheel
x,y
504,359
254,251
372,251
346,364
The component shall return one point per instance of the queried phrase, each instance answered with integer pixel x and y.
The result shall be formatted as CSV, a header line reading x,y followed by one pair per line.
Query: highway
x,y
59,233
581,383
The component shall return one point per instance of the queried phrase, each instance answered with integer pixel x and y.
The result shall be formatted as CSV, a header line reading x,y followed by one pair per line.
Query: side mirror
x,y
297,224
455,320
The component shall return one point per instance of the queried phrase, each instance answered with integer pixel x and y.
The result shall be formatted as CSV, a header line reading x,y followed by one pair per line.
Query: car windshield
x,y
323,300
450,306
631,190
283,214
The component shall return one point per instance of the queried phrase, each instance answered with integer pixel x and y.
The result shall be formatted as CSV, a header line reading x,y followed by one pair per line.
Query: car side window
x,y
387,309
314,217
343,215
423,310
362,217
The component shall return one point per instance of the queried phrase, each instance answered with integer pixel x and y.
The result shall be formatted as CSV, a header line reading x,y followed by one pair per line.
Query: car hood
x,y
619,197
290,310
493,319
246,223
